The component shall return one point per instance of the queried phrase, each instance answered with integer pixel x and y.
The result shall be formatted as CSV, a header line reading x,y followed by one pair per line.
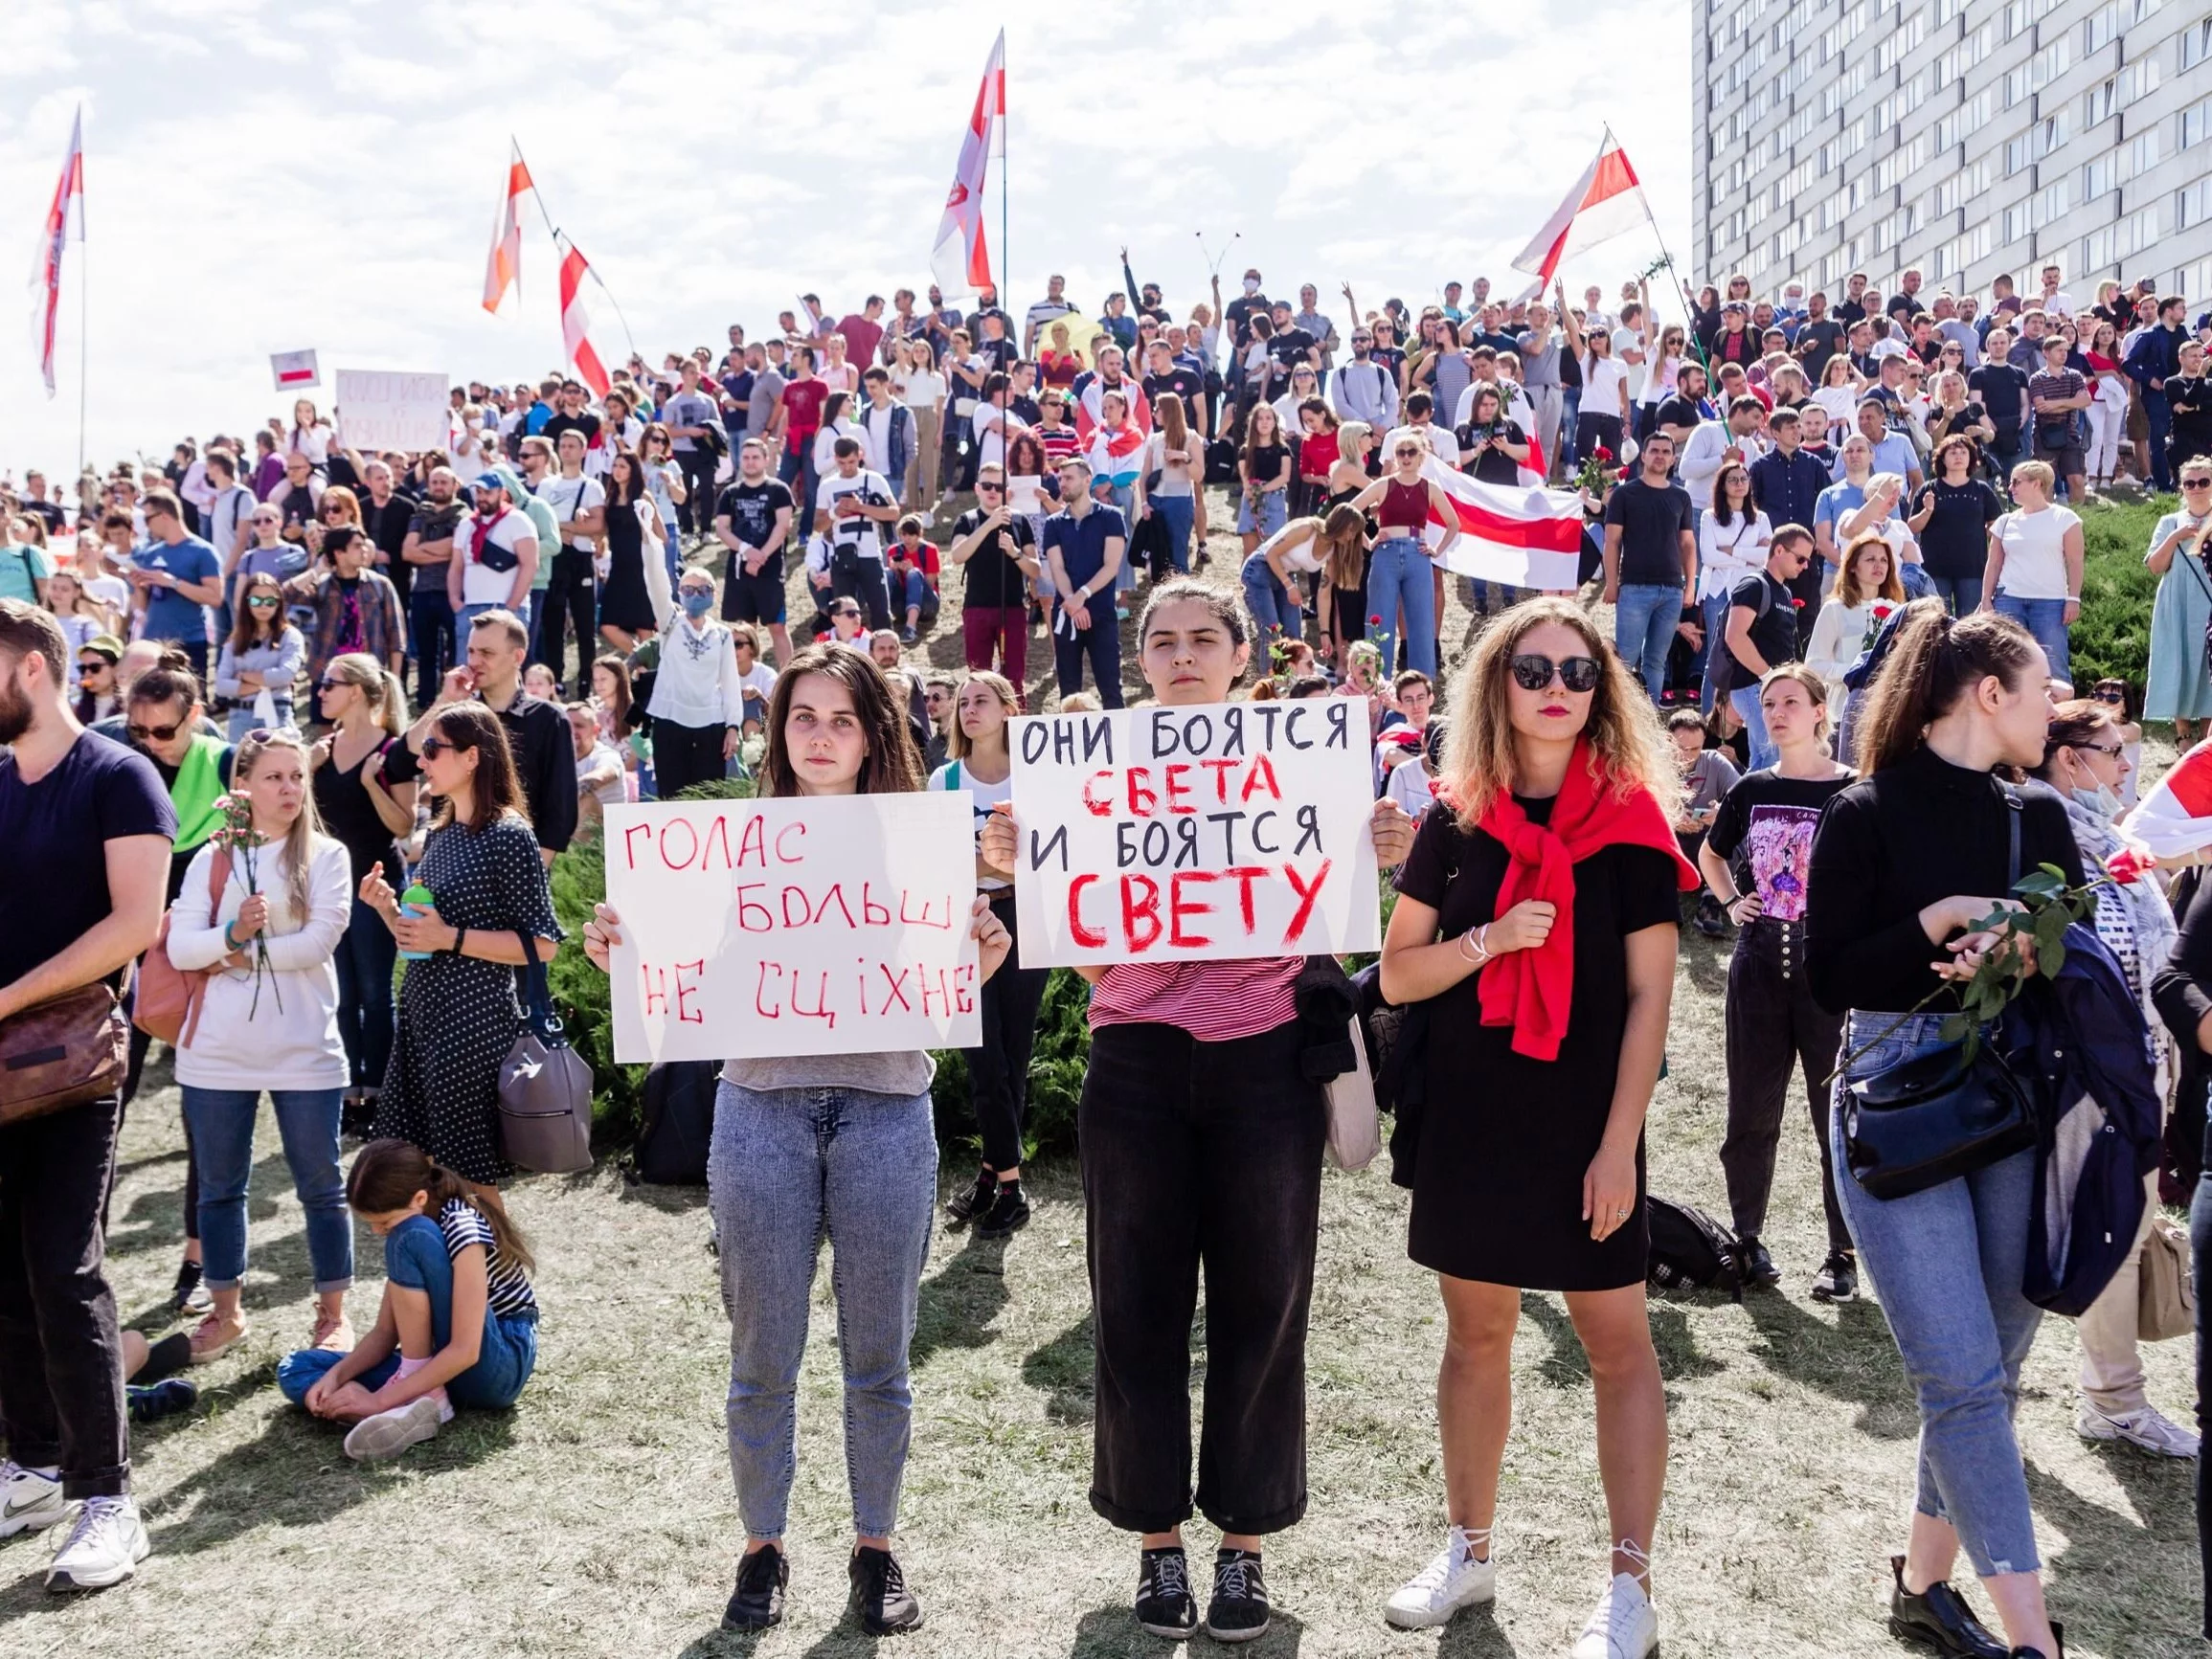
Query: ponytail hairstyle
x,y
1933,662
1343,537
387,697
306,829
388,1173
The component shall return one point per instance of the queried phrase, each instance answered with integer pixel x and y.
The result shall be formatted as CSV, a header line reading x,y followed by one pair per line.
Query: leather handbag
x,y
1939,1115
167,1002
62,1052
2165,1287
545,1088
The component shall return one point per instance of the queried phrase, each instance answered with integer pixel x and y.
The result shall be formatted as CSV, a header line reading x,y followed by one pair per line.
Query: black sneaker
x,y
1009,1212
1755,1264
966,1205
1837,1280
1164,1604
879,1594
357,1115
188,1287
1939,1618
757,1602
1238,1611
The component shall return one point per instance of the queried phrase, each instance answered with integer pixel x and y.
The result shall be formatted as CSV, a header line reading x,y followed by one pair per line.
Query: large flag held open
x,y
64,217
502,269
1606,202
1525,537
591,364
960,262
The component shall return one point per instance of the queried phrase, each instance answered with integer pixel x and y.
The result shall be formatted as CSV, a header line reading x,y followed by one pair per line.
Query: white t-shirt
x,y
1408,785
992,426
982,798
1625,341
2035,563
925,388
480,583
757,681
569,497
1602,379
864,530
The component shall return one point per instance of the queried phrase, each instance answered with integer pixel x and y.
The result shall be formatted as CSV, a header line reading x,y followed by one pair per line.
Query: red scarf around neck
x,y
1532,990
481,533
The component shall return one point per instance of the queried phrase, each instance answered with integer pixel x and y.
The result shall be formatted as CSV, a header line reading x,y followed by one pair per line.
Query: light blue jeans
x,y
1270,603
243,720
1946,1264
786,1168
1714,664
221,1122
2045,620
1401,574
1274,513
1745,701
471,613
1644,618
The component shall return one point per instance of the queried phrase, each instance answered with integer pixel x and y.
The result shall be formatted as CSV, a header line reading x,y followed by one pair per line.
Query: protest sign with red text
x,y
832,926
1230,830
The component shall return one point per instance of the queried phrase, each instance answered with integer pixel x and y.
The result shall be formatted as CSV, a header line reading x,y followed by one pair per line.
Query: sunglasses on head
x,y
1532,672
155,733
435,746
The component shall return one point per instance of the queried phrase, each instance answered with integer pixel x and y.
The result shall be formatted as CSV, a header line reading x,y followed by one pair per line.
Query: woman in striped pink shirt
x,y
1202,1152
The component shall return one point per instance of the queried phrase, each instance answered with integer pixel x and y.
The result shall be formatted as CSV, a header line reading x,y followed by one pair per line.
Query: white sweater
x,y
292,1047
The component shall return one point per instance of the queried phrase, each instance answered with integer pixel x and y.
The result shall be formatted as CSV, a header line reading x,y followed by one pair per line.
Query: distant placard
x,y
293,370
381,409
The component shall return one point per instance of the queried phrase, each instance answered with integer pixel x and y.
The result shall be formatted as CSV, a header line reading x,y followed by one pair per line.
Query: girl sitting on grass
x,y
457,1324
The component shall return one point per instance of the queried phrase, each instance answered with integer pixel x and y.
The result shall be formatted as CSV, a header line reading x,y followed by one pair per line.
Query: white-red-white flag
x,y
502,269
591,364
960,262
1527,538
65,214
1606,202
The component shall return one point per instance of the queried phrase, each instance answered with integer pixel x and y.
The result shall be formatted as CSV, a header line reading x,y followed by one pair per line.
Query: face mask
x,y
697,604
1252,285
2101,801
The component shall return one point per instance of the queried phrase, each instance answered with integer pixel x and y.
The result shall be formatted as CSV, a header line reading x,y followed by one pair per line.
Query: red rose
x,y
1375,621
1881,611
1796,604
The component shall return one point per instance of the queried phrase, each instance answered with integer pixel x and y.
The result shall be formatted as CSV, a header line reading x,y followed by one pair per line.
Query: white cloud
x,y
263,177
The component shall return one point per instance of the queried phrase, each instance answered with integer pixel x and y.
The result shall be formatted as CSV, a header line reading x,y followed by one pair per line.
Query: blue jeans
x,y
1271,515
470,614
1644,617
415,1259
1946,1264
1270,604
1180,513
1713,664
2045,620
1961,594
221,1122
1401,574
787,1167
242,719
366,954
1745,701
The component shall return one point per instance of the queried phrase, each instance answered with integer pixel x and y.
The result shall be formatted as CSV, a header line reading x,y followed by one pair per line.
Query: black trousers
x,y
999,1071
1101,644
2201,1262
571,595
430,632
1773,1025
698,467
863,579
684,755
60,1355
1199,1156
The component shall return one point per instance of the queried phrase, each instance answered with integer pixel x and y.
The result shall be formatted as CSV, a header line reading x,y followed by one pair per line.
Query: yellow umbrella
x,y
1081,331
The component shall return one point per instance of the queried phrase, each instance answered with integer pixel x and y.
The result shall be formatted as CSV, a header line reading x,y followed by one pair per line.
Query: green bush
x,y
2112,638
1056,1068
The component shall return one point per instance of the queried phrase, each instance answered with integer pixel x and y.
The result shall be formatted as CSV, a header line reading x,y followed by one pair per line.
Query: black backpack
x,y
1690,1250
678,1123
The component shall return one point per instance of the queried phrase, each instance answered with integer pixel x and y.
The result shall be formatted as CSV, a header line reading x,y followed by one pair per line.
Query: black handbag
x,y
1941,1114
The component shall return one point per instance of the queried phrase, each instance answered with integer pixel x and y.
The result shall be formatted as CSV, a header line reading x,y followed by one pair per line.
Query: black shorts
x,y
753,598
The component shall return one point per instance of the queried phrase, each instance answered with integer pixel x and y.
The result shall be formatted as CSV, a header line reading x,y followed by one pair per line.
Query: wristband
x,y
458,935
1482,947
229,938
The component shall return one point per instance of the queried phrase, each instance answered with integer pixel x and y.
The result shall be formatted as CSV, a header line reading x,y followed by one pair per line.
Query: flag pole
x,y
553,231
83,338
1005,287
1674,274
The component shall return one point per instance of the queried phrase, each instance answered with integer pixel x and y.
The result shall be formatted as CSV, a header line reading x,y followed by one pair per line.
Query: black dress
x,y
624,600
1506,1140
458,1015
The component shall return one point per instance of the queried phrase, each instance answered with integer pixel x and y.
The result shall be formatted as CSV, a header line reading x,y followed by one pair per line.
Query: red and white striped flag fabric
x,y
1527,538
1606,201
503,267
65,214
961,260
590,366
2174,819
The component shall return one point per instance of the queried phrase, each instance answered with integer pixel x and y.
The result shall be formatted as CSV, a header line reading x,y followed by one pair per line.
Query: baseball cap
x,y
105,646
488,480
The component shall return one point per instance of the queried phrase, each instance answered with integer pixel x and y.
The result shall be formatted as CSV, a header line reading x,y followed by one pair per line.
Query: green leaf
x,y
1956,1026
2050,929
2052,960
2046,883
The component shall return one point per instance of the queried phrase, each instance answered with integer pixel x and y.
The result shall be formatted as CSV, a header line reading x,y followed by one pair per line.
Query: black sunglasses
x,y
155,733
1533,673
435,746
986,487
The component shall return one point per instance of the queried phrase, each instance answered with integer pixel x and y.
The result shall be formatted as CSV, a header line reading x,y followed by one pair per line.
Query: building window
x,y
2195,43
2143,153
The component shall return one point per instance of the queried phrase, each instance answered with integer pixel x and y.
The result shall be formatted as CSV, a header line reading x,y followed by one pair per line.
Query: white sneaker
x,y
1453,1581
104,1547
28,1501
2147,1430
1622,1625
388,1433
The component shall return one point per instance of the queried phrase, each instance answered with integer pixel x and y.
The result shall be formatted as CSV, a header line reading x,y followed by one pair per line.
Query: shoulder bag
x,y
545,1088
2166,1288
62,1052
1940,1115
168,1000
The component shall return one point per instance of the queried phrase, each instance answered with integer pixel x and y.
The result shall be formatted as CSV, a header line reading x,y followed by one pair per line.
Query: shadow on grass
x,y
1567,1366
961,1302
1111,1632
2105,1548
1475,1635
1063,1371
1853,1360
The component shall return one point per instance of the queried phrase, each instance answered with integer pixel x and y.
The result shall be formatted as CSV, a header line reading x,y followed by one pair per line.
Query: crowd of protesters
x,y
1795,509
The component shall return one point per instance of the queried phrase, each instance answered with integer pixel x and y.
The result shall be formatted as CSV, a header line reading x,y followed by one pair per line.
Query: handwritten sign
x,y
755,928
384,410
1233,829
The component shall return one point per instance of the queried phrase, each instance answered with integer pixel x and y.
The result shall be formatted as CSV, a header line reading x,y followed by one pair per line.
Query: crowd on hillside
x,y
309,713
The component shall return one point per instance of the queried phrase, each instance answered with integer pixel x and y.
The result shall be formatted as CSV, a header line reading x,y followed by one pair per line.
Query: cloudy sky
x,y
266,176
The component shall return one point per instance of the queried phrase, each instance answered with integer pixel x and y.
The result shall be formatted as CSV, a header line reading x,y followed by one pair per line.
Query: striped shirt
x,y
1214,1002
506,1287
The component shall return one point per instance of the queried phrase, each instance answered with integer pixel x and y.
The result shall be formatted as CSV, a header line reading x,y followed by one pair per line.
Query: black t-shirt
x,y
993,579
55,831
1955,540
1904,307
53,515
1826,338
1677,411
1764,829
1849,312
1773,625
1653,520
350,816
1185,384
2003,391
1291,348
1490,465
752,509
1264,463
586,423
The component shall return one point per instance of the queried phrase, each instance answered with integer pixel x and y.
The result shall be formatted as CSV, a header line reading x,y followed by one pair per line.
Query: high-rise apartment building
x,y
1967,138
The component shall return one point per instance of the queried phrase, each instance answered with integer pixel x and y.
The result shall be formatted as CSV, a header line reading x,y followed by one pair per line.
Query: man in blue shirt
x,y
178,576
1785,485
1893,451
1083,545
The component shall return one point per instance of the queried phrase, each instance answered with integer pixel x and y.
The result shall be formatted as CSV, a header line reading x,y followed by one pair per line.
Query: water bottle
x,y
415,900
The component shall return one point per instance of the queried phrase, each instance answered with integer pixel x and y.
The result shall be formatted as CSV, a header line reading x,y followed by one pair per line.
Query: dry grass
x,y
597,1519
